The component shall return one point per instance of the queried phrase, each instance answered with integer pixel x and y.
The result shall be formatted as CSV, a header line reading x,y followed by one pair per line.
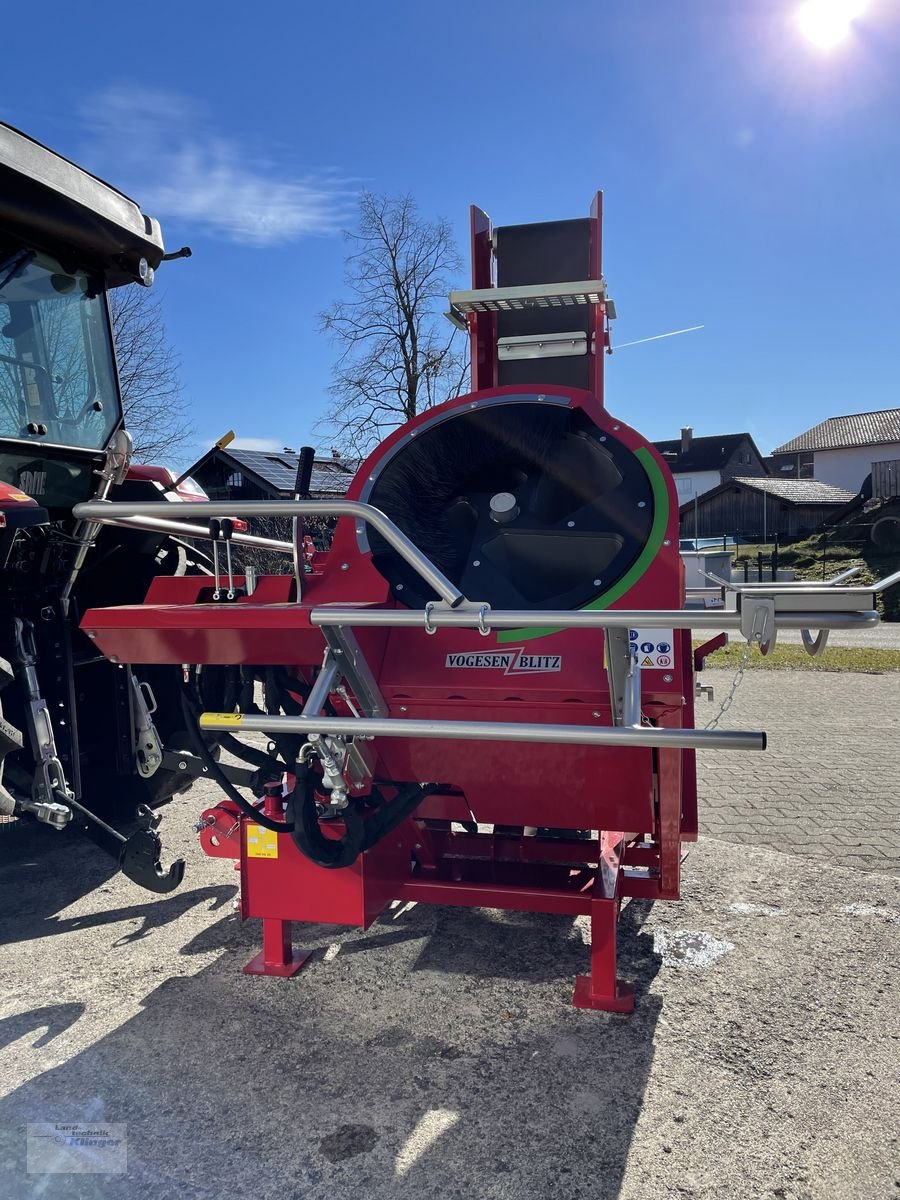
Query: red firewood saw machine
x,y
483,693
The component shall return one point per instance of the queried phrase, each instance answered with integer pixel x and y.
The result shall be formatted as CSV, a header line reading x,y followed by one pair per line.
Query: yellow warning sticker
x,y
261,843
213,720
648,662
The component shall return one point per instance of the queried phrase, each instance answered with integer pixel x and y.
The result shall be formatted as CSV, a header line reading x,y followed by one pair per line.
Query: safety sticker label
x,y
653,647
261,843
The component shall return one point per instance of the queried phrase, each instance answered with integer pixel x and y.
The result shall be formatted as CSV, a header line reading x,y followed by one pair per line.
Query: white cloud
x,y
162,147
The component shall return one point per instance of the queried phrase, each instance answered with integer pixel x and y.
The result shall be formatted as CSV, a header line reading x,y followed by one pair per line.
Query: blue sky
x,y
751,180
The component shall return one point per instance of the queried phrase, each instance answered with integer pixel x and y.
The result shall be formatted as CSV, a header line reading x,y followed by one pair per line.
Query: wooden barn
x,y
761,509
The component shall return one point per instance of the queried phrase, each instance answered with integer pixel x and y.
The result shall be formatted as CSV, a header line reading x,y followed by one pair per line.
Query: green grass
x,y
847,545
865,659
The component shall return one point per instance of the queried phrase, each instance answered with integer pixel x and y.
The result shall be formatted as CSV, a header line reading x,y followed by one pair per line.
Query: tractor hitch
x,y
139,857
137,853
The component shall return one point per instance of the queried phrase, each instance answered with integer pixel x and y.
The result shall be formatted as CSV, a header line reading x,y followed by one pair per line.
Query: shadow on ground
x,y
436,1055
46,871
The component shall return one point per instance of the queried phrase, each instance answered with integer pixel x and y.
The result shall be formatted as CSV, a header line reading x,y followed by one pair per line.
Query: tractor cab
x,y
65,239
84,750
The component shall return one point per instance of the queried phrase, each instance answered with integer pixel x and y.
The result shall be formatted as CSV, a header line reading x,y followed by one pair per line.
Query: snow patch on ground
x,y
744,909
870,910
690,948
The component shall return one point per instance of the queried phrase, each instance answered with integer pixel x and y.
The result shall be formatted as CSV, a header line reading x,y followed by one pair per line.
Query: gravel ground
x,y
438,1055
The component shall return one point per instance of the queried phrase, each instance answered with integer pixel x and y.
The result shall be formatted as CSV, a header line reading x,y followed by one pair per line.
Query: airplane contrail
x,y
656,337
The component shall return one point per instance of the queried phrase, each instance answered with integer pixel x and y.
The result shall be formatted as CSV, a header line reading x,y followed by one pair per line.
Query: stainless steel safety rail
x,y
485,619
781,585
185,529
494,731
814,607
107,513
770,602
758,613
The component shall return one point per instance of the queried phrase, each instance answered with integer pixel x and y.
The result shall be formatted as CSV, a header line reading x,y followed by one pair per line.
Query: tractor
x,y
85,744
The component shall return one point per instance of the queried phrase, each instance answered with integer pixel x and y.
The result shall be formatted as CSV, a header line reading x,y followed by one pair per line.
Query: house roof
x,y
856,429
330,476
703,453
782,468
788,491
278,472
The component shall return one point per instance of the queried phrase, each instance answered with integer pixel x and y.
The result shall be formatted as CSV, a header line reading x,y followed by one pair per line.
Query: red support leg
x,y
601,989
277,956
670,792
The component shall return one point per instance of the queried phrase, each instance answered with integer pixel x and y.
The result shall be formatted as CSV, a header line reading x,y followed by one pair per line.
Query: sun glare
x,y
826,23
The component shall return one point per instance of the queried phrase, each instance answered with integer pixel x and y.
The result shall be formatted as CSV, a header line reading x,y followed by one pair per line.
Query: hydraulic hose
x,y
249,754
193,729
307,832
303,820
391,813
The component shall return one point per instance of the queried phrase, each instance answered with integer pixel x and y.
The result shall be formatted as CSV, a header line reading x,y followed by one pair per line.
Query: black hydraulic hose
x,y
306,831
193,730
303,819
389,815
256,758
361,833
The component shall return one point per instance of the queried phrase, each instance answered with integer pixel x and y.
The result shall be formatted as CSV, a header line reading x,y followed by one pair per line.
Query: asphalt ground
x,y
438,1054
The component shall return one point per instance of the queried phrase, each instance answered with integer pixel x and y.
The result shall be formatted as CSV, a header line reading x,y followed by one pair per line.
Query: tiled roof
x,y
782,468
703,453
798,491
857,429
330,476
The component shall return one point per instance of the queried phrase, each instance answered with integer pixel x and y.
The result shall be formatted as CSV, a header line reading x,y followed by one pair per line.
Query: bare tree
x,y
148,374
395,357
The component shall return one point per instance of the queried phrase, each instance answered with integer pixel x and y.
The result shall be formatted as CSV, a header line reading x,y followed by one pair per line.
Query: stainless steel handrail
x,y
183,529
106,512
461,613
494,731
812,585
734,585
675,618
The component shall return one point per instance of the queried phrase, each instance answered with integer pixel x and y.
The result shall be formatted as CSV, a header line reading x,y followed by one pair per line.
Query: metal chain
x,y
735,684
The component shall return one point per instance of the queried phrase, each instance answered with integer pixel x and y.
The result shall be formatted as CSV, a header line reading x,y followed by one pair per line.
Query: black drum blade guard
x,y
524,504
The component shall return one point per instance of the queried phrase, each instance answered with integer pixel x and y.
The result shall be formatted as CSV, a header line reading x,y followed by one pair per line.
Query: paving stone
x,y
828,784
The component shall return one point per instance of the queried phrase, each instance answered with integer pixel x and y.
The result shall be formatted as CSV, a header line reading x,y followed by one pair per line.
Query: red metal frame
x,y
638,805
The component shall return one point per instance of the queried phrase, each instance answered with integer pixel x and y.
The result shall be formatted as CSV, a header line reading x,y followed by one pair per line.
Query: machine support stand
x,y
601,989
277,957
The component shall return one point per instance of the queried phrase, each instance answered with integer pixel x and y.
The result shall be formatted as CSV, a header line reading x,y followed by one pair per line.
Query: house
x,y
785,468
762,509
236,474
845,450
701,463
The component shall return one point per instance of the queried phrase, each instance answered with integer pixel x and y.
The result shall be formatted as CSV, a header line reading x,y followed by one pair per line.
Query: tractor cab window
x,y
57,378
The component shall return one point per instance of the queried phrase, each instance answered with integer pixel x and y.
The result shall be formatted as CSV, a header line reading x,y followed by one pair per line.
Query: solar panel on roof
x,y
330,475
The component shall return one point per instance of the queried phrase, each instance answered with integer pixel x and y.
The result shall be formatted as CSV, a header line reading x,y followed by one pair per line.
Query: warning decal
x,y
653,647
261,843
